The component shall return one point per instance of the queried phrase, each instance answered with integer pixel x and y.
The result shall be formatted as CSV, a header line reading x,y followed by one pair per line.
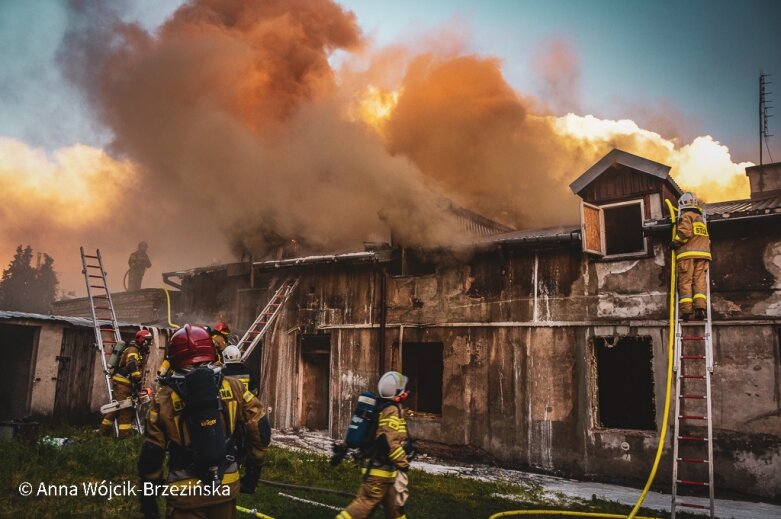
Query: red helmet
x,y
222,327
190,345
142,336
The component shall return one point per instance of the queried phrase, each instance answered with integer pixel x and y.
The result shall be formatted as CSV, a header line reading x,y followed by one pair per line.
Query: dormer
x,y
618,194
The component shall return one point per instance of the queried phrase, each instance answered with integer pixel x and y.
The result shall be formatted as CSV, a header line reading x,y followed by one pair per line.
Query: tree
x,y
25,288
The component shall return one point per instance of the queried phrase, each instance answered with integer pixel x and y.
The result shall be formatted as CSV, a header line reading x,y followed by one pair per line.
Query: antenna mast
x,y
764,114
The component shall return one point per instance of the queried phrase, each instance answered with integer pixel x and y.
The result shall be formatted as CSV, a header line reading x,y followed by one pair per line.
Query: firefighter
x,y
195,418
692,245
220,337
234,367
126,381
385,475
138,263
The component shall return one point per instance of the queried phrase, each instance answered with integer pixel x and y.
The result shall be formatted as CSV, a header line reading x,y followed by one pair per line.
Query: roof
x,y
75,321
616,156
562,233
351,257
742,208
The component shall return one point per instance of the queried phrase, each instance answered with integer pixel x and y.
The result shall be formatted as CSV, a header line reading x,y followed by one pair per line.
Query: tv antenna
x,y
764,114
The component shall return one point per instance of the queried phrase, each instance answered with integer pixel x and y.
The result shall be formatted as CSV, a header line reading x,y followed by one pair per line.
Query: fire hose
x,y
665,419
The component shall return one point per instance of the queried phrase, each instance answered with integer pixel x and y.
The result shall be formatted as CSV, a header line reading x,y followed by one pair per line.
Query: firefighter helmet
x,y
143,338
222,327
231,354
190,345
392,385
142,246
688,201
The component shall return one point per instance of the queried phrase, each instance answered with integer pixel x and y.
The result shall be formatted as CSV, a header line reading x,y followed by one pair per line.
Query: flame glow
x,y
704,166
375,106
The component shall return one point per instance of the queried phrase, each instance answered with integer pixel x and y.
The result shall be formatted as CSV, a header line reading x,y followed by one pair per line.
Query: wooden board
x,y
592,228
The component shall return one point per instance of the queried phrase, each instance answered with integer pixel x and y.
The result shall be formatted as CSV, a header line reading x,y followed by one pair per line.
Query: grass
x,y
89,458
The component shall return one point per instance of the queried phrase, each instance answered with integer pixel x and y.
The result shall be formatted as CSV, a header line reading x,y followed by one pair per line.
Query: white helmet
x,y
231,354
688,201
391,384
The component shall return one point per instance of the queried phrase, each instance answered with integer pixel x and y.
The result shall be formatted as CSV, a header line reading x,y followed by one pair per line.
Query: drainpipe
x,y
383,318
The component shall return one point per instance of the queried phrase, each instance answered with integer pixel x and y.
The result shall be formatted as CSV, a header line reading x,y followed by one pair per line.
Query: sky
x,y
549,86
698,59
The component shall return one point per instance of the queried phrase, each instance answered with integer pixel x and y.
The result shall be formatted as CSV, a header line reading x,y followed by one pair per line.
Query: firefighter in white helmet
x,y
693,256
234,367
385,478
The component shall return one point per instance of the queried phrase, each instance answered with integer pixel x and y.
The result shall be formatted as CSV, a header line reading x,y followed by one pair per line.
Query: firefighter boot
x,y
699,314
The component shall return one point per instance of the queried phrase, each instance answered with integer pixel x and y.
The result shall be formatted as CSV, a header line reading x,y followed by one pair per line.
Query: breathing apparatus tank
x,y
363,421
116,355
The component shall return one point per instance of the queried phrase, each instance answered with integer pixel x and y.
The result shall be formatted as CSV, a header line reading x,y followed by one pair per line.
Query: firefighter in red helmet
x,y
196,418
220,337
126,381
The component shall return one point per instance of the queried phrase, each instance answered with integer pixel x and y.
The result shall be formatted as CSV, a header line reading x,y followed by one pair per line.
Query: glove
x,y
249,481
401,485
674,244
339,452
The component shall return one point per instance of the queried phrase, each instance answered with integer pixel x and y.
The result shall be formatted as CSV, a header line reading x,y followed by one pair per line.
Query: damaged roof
x,y
74,321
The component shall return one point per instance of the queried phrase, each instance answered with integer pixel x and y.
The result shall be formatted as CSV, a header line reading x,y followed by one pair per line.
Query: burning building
x,y
543,348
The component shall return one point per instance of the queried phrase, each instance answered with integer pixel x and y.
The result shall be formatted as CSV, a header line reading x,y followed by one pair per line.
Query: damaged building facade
x,y
544,348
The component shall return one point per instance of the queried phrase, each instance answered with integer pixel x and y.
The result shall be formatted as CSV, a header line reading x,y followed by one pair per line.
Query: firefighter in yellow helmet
x,y
195,418
125,381
693,256
385,476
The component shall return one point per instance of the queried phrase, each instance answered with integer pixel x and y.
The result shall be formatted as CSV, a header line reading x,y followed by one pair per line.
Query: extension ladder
x,y
262,324
693,365
104,318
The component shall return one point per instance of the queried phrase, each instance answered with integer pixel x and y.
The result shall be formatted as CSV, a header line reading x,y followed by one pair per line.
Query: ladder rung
x,y
102,287
693,483
697,397
693,460
693,438
692,357
692,505
693,338
692,417
701,377
94,276
92,266
102,308
99,297
91,257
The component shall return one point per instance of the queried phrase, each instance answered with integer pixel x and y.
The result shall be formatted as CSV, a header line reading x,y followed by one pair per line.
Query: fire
x,y
375,106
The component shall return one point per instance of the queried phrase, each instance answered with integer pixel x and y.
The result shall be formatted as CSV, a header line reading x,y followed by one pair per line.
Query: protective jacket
x,y
131,366
692,235
239,370
391,437
139,260
166,431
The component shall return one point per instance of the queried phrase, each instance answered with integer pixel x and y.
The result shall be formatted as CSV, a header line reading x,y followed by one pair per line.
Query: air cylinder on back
x,y
363,420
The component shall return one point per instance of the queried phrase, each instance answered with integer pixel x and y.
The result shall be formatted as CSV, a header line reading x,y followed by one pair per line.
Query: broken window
x,y
422,363
625,384
613,230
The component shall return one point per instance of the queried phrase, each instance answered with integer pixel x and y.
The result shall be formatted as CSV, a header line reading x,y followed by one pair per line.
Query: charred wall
x,y
517,326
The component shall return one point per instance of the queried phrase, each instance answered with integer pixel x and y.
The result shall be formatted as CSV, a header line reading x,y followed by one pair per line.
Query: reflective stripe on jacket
x,y
692,234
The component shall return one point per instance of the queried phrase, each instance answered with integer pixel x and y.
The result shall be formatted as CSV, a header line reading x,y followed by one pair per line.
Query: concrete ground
x,y
556,489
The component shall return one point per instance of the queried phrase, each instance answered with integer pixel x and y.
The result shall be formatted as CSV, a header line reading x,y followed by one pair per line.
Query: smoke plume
x,y
233,133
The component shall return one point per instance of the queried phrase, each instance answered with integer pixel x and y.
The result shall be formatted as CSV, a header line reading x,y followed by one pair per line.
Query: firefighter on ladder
x,y
385,476
126,381
234,367
693,256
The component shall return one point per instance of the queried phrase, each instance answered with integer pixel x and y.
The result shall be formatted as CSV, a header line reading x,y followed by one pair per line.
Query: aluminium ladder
x,y
693,365
265,319
104,318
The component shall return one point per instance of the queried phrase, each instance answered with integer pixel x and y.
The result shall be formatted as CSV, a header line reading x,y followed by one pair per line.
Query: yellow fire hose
x,y
665,419
253,512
